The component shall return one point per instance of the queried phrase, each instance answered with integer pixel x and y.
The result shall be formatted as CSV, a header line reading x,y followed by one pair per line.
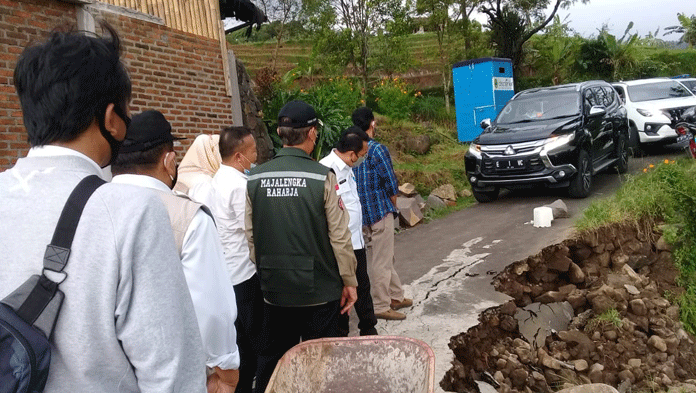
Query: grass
x,y
663,193
257,55
443,164
646,195
609,318
462,203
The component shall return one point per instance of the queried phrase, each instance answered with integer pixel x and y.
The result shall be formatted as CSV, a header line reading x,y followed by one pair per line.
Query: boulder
x,y
580,365
590,388
466,193
658,343
409,212
551,297
618,260
662,244
632,289
420,200
559,262
584,344
638,307
547,360
407,189
634,363
419,144
575,274
558,209
445,192
434,203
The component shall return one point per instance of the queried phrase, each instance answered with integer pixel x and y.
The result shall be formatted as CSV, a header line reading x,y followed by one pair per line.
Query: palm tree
x,y
687,28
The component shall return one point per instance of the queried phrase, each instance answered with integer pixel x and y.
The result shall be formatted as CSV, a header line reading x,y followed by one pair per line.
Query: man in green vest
x,y
297,228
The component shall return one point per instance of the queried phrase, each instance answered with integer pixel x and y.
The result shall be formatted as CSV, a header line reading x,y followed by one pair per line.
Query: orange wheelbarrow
x,y
370,364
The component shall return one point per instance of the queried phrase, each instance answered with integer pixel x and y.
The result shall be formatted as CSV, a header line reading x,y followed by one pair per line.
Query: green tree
x,y
514,22
621,53
364,19
450,20
687,28
283,12
554,53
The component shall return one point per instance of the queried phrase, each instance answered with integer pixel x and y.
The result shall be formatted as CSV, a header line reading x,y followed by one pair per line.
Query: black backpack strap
x,y
57,253
30,300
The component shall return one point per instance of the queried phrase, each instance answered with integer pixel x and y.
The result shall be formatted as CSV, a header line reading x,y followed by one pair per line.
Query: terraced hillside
x,y
423,73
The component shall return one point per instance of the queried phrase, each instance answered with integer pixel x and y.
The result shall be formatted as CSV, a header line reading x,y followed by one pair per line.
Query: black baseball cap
x,y
300,113
147,130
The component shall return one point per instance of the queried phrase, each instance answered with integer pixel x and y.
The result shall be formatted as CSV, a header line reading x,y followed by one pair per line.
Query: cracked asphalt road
x,y
447,265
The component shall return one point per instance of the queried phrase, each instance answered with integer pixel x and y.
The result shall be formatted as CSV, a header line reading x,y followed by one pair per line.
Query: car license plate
x,y
509,164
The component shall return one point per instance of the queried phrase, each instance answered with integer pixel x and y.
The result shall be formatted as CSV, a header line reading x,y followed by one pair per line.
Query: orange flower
x,y
651,166
645,170
666,161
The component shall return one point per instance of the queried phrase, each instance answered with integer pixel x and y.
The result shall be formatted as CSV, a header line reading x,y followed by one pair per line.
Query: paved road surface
x,y
447,264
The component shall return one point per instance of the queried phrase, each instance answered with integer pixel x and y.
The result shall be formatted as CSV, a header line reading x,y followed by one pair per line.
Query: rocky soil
x,y
616,286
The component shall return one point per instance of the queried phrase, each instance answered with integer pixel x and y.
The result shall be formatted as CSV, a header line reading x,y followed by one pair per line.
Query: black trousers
x,y
284,327
248,325
364,308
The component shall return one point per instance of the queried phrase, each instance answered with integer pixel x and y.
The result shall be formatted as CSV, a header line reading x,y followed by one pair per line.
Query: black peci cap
x,y
147,130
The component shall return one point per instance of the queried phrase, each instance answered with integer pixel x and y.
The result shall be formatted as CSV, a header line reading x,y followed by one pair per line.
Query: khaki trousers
x,y
384,280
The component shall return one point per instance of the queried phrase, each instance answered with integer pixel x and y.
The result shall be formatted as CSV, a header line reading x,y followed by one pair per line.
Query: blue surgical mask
x,y
251,165
247,171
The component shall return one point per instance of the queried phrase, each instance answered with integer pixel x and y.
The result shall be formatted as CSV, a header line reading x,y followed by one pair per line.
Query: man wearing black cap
x,y
148,160
299,239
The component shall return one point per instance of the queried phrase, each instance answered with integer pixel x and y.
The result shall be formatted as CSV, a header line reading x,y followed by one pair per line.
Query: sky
x,y
647,16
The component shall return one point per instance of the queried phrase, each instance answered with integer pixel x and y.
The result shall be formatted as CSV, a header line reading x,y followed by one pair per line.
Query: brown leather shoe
x,y
395,304
391,315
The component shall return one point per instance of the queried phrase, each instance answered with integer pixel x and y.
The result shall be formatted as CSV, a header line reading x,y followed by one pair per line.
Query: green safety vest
x,y
294,257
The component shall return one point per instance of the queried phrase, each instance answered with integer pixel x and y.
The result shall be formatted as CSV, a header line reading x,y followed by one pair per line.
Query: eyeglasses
x,y
122,115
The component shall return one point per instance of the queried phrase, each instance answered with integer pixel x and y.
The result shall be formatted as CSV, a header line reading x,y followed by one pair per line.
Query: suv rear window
x,y
657,91
541,105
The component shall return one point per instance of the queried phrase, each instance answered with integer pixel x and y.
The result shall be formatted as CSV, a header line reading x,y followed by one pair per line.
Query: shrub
x,y
427,108
394,98
334,100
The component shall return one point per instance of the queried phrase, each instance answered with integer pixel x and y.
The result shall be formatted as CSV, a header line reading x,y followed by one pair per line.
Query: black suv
x,y
555,136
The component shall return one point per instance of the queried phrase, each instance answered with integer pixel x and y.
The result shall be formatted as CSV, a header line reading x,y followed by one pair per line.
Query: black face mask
x,y
114,145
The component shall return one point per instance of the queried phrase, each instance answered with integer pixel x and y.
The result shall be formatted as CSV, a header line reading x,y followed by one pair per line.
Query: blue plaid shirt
x,y
376,182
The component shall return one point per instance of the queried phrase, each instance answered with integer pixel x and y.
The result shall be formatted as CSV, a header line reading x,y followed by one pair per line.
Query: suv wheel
x,y
485,196
634,142
582,182
622,155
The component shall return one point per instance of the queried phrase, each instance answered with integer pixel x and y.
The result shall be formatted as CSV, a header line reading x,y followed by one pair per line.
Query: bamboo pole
x,y
191,18
225,59
202,18
177,15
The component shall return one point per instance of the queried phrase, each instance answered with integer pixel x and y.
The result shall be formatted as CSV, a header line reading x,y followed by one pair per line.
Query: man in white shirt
x,y
225,195
349,152
148,160
126,323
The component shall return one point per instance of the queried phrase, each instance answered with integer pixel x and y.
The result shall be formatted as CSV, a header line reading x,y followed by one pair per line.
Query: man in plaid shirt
x,y
377,189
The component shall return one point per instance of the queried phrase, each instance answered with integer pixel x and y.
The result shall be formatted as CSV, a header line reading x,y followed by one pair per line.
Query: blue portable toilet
x,y
481,88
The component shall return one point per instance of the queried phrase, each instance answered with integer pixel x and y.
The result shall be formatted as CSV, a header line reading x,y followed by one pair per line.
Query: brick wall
x,y
21,22
178,73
